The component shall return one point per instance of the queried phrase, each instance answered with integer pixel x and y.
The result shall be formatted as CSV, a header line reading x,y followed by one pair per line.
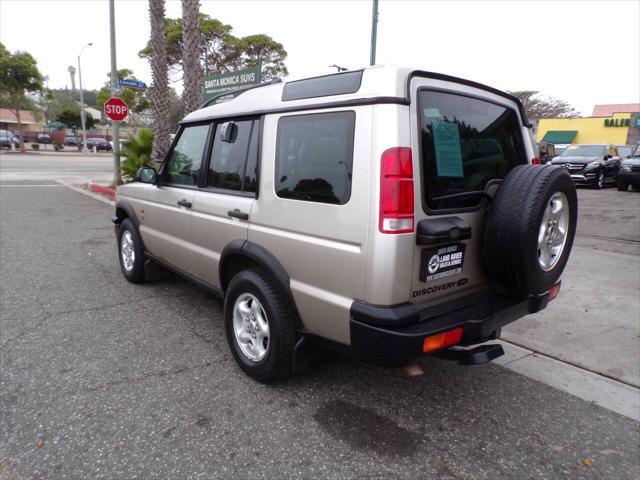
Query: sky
x,y
584,52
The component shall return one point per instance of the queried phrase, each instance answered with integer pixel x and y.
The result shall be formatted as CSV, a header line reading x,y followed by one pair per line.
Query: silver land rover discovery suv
x,y
387,213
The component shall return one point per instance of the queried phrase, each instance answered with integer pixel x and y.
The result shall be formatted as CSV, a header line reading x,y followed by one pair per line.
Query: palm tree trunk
x,y
192,93
160,91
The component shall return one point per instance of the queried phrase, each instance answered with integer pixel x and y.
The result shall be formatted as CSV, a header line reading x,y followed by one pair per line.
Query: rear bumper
x,y
396,334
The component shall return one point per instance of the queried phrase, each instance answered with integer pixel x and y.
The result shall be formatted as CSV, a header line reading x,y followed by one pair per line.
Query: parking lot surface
x,y
104,379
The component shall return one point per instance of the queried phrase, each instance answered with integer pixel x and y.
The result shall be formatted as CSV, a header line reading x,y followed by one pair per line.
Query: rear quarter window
x,y
465,143
314,157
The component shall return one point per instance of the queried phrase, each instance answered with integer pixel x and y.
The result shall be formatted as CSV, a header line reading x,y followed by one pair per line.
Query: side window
x,y
186,157
234,156
314,157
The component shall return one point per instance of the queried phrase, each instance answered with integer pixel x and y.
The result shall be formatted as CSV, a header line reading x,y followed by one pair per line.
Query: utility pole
x,y
82,118
374,32
117,179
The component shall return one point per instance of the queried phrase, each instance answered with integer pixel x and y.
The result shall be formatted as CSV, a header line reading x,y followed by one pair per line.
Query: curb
x,y
101,189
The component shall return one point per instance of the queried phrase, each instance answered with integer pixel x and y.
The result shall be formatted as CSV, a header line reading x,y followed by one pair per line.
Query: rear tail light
x,y
442,340
396,191
555,290
536,161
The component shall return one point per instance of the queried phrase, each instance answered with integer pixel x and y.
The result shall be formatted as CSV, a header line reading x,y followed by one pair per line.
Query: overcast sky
x,y
584,52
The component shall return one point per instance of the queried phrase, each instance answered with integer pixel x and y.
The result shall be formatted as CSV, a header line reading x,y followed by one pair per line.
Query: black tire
x,y
623,187
135,274
278,361
513,224
598,182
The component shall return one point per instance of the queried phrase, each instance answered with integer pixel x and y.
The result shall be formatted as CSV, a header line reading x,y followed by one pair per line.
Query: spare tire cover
x,y
530,228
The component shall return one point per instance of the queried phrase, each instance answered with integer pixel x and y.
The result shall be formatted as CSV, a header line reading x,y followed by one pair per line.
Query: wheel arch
x,y
243,254
125,210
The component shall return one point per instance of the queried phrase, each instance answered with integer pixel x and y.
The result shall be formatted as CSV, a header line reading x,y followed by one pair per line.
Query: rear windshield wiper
x,y
481,193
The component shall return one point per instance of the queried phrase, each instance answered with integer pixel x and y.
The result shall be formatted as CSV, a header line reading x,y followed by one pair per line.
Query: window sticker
x,y
446,140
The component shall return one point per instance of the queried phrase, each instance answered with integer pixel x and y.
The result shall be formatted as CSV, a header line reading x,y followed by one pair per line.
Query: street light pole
x,y
117,179
82,119
374,32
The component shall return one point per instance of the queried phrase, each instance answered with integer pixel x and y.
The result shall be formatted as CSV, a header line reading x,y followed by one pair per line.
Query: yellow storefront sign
x,y
613,129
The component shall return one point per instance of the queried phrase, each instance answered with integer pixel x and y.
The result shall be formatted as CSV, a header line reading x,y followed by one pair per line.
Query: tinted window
x,y
337,84
186,157
466,142
251,170
228,157
314,157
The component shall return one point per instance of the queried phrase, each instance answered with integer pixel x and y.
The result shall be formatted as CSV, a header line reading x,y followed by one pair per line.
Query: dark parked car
x,y
594,165
44,138
100,143
625,151
629,172
7,138
71,141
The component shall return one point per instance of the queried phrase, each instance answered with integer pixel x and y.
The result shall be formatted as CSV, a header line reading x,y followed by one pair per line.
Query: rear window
x,y
465,143
337,84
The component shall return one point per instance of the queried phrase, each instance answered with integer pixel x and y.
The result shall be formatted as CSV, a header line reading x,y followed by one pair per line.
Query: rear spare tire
x,y
530,228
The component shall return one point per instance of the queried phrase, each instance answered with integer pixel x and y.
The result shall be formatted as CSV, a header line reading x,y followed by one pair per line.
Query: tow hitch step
x,y
473,356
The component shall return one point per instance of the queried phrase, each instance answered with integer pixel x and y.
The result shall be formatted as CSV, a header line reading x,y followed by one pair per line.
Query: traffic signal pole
x,y
117,179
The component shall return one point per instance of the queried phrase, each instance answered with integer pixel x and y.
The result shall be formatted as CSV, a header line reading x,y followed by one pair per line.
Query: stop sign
x,y
116,109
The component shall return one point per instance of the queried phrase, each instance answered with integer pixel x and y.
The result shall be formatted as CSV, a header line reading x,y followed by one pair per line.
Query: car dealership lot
x,y
103,379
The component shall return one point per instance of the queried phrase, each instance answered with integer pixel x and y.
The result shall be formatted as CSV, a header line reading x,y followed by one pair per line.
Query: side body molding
x,y
244,250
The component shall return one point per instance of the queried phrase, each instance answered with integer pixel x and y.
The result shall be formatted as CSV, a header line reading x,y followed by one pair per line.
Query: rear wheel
x,y
622,186
259,327
530,228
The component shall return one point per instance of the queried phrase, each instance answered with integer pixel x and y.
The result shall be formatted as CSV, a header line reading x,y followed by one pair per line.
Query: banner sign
x,y
217,84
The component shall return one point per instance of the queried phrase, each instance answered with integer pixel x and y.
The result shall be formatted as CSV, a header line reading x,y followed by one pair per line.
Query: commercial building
x,y
618,124
8,121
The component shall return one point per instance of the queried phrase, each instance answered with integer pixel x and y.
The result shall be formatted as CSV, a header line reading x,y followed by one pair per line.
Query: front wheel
x,y
622,186
259,327
130,252
599,181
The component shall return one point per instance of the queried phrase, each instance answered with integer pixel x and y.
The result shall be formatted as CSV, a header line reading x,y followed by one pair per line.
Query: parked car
x,y
546,152
625,151
100,143
594,165
71,141
295,202
629,172
43,138
7,139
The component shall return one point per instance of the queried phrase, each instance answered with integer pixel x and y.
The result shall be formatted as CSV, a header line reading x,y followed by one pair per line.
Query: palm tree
x,y
160,91
192,93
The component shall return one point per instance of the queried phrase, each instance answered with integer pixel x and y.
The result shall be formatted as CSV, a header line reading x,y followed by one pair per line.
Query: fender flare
x,y
125,206
268,262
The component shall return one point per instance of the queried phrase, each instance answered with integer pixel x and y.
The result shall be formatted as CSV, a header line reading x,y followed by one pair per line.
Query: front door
x,y
222,208
166,225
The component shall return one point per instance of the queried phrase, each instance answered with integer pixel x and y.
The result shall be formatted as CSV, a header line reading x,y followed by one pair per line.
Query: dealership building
x,y
618,124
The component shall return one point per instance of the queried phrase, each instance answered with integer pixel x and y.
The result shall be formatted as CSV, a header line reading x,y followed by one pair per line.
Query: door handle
x,y
238,214
184,203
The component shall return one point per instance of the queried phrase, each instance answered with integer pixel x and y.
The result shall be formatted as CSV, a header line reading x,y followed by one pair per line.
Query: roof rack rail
x,y
239,91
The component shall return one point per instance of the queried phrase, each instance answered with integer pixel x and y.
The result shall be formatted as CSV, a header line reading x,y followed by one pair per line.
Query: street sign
x,y
116,109
126,82
217,84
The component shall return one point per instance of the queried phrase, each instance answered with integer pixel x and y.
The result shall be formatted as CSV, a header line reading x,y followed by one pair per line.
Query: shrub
x,y
137,154
57,145
35,146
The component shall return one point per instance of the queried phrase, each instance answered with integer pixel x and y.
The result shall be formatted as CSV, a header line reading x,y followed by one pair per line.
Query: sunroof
x,y
337,84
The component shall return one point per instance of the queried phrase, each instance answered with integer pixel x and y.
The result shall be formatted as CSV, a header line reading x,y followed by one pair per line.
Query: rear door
x,y
464,141
222,208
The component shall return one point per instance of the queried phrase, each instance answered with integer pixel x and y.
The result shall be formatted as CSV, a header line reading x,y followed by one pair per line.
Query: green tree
x,y
27,104
159,73
537,106
137,100
19,75
220,51
71,118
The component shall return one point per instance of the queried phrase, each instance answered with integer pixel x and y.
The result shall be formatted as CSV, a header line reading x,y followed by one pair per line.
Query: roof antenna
x,y
340,69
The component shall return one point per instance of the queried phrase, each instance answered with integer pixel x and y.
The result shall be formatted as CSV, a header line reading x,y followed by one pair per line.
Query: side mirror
x,y
147,175
228,132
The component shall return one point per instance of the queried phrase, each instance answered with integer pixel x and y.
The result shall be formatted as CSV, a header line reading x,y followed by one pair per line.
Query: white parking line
x,y
605,392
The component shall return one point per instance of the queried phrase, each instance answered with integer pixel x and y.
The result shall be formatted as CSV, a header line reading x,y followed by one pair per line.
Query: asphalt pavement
x,y
104,379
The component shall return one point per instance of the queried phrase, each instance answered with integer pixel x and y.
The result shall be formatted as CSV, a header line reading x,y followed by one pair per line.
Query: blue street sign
x,y
125,82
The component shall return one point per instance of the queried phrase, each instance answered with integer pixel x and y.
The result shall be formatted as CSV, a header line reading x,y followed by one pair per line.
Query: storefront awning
x,y
559,136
